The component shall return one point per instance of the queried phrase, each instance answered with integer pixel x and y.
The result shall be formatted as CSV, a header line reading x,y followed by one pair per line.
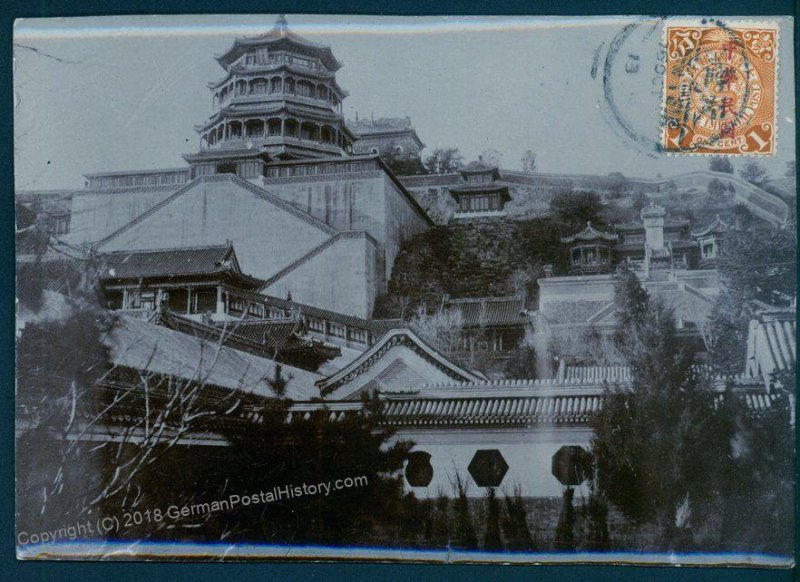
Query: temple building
x,y
709,239
481,193
274,171
394,134
278,99
495,325
590,251
205,285
673,264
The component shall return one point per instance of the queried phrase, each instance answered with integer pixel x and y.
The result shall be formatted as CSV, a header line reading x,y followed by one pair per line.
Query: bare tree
x,y
529,162
443,329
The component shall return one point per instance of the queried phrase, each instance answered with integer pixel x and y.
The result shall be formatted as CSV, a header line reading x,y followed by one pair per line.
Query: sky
x,y
123,93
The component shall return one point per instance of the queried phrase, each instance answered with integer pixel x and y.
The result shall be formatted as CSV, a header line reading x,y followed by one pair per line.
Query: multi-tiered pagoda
x,y
277,100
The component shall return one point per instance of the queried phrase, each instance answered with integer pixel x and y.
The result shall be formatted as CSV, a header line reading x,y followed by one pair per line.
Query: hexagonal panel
x,y
488,467
419,471
572,465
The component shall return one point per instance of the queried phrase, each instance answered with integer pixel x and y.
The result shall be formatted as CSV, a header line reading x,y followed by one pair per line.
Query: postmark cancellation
x,y
720,89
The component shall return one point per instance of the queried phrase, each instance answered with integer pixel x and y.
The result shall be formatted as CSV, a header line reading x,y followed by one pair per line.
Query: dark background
x,y
11,569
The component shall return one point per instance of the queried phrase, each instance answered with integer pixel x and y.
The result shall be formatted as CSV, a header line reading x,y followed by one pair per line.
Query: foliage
x,y
444,161
464,536
618,184
659,445
565,529
528,162
761,478
716,190
521,362
443,329
515,523
597,516
577,208
402,164
492,539
720,164
753,172
756,261
269,452
473,259
491,157
439,536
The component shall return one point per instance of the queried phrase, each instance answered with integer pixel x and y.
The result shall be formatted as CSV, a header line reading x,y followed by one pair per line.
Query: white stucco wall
x,y
362,201
527,451
95,215
344,277
266,237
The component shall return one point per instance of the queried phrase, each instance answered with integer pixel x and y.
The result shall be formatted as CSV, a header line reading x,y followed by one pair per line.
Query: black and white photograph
x,y
425,289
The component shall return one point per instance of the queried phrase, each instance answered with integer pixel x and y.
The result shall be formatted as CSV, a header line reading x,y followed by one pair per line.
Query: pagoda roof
x,y
490,311
279,37
716,227
480,167
378,129
236,110
200,261
589,233
501,187
154,347
255,70
225,154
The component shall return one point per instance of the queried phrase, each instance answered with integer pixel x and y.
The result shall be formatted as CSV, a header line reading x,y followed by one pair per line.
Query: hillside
x,y
472,259
504,257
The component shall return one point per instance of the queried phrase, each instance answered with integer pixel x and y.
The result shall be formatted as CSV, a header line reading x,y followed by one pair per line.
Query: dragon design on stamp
x,y
720,90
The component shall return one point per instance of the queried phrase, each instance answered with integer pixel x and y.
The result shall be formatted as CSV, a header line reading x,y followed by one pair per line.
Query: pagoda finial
x,y
281,23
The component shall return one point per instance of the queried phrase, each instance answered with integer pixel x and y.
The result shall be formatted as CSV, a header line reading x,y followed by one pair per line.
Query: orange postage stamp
x,y
719,92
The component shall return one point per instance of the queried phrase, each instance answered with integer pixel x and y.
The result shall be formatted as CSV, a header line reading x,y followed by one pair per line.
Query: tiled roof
x,y
596,373
277,333
477,188
492,411
771,342
279,35
395,337
589,233
177,262
142,345
478,166
491,311
380,125
378,326
547,408
716,227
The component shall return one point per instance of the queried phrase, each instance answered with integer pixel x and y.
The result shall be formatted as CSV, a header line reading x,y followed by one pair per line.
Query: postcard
x,y
433,289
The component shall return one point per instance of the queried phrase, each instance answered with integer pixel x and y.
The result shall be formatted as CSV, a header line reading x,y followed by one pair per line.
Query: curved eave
x,y
363,361
388,133
481,189
227,113
274,40
213,155
264,69
594,238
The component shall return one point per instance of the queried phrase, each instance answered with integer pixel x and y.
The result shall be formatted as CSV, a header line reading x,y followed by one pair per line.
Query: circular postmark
x,y
631,72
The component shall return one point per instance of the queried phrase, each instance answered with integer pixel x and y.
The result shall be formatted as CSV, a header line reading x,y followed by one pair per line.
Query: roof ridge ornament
x,y
282,25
